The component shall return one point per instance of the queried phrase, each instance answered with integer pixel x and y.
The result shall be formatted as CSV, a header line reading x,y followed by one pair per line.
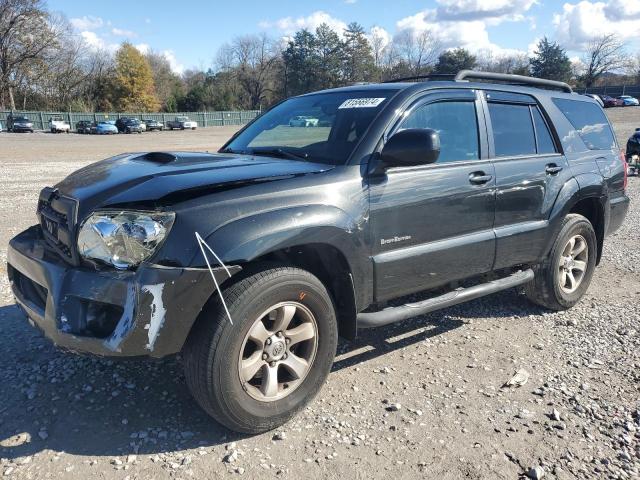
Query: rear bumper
x,y
148,312
618,208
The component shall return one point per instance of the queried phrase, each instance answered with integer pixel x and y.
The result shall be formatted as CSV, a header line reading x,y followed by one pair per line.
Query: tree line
x,y
44,65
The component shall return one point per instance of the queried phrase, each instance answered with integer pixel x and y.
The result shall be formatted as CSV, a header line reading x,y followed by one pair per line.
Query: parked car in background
x,y
629,101
153,125
58,125
182,123
120,123
19,123
84,126
104,128
133,125
596,98
303,121
0,126
611,102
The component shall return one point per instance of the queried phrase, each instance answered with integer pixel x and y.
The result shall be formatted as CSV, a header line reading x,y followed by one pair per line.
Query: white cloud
x,y
493,11
289,25
87,22
123,33
176,67
463,23
96,42
579,23
623,9
143,48
380,35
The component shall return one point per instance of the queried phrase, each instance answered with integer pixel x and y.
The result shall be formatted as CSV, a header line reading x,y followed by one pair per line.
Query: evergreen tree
x,y
452,61
550,61
300,64
359,65
329,51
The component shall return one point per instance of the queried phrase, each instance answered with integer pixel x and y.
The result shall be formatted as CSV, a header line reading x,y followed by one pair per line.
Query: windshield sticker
x,y
362,102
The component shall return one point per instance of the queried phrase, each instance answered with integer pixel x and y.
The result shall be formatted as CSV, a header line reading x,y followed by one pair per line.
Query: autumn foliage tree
x,y
133,87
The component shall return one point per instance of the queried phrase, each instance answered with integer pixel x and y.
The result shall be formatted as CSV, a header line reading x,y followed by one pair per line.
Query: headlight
x,y
123,239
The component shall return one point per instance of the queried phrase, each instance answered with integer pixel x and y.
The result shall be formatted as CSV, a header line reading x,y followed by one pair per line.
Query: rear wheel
x,y
255,374
564,277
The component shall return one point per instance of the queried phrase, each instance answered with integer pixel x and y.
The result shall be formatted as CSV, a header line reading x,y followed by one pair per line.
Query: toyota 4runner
x,y
251,261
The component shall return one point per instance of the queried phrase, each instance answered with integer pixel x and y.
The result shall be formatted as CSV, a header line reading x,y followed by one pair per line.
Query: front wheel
x,y
564,277
257,373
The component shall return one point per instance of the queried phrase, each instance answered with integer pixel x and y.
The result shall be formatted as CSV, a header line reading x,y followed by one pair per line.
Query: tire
x,y
216,349
552,286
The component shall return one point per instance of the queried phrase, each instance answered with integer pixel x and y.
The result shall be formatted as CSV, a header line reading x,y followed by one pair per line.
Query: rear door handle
x,y
552,169
479,178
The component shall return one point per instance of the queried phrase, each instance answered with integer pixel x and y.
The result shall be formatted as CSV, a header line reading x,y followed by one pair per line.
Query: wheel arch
x,y
585,195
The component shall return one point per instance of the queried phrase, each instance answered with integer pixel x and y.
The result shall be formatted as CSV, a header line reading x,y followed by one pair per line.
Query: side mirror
x,y
414,146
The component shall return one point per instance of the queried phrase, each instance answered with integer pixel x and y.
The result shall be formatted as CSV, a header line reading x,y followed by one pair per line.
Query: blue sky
x,y
190,32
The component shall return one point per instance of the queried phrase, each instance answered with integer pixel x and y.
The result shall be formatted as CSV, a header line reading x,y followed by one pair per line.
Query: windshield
x,y
20,119
323,127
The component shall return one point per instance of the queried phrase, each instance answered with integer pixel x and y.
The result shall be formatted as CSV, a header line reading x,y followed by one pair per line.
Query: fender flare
x,y
248,238
580,187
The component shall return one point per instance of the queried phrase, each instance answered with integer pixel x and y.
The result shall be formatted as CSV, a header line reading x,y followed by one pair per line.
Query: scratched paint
x,y
158,312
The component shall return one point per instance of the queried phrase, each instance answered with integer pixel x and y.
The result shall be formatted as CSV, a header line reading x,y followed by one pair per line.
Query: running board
x,y
409,310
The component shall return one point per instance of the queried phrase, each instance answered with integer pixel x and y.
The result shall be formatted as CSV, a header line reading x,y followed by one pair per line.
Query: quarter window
x,y
456,124
589,121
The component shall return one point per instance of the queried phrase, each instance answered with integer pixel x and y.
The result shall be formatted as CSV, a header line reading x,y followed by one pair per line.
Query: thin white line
x,y
201,242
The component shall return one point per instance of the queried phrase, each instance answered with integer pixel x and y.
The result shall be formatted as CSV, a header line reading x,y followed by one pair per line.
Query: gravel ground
x,y
421,399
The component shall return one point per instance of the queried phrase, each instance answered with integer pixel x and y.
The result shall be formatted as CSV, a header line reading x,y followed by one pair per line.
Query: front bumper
x,y
147,312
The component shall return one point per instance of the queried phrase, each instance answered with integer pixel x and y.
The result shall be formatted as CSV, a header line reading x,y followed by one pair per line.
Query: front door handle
x,y
552,169
479,178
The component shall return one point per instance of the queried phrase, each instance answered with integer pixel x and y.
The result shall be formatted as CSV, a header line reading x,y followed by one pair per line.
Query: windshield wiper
x,y
279,152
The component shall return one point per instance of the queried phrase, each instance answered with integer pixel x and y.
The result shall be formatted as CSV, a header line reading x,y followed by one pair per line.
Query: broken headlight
x,y
123,239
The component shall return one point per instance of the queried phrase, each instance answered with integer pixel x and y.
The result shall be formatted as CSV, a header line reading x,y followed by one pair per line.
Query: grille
x,y
57,215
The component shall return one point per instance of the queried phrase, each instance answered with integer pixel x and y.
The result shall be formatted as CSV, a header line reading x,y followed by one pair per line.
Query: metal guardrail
x,y
205,119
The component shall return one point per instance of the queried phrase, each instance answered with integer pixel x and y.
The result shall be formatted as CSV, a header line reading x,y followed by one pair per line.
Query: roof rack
x,y
463,75
430,76
512,79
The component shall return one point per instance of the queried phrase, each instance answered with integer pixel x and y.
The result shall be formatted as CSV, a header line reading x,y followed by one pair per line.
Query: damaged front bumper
x,y
147,312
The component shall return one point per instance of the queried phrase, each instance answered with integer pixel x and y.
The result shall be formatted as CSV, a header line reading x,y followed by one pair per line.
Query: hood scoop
x,y
157,157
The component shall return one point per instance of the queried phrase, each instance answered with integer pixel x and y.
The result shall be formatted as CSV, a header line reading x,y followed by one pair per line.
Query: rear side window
x,y
589,121
456,124
513,132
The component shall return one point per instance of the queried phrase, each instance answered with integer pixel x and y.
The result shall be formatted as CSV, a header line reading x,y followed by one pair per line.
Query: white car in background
x,y
629,101
303,121
58,125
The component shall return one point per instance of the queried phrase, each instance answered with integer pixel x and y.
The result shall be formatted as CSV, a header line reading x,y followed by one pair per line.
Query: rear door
x,y
530,171
432,224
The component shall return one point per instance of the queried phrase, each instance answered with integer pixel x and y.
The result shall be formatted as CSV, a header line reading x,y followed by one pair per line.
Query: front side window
x,y
322,127
589,121
457,125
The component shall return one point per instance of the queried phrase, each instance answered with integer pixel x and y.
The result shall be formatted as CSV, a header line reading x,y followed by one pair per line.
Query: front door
x,y
432,224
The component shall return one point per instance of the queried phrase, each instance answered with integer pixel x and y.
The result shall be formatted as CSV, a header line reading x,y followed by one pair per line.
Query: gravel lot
x,y
420,399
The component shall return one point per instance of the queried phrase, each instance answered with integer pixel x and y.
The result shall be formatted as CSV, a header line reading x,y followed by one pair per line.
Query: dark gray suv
x,y
251,261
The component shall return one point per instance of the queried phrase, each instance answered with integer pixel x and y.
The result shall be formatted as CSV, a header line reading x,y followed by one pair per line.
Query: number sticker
x,y
362,102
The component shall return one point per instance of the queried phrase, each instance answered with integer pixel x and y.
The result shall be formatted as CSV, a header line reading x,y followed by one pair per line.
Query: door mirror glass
x,y
413,146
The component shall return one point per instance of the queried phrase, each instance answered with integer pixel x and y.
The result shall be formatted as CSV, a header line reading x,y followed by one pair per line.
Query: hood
x,y
161,177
